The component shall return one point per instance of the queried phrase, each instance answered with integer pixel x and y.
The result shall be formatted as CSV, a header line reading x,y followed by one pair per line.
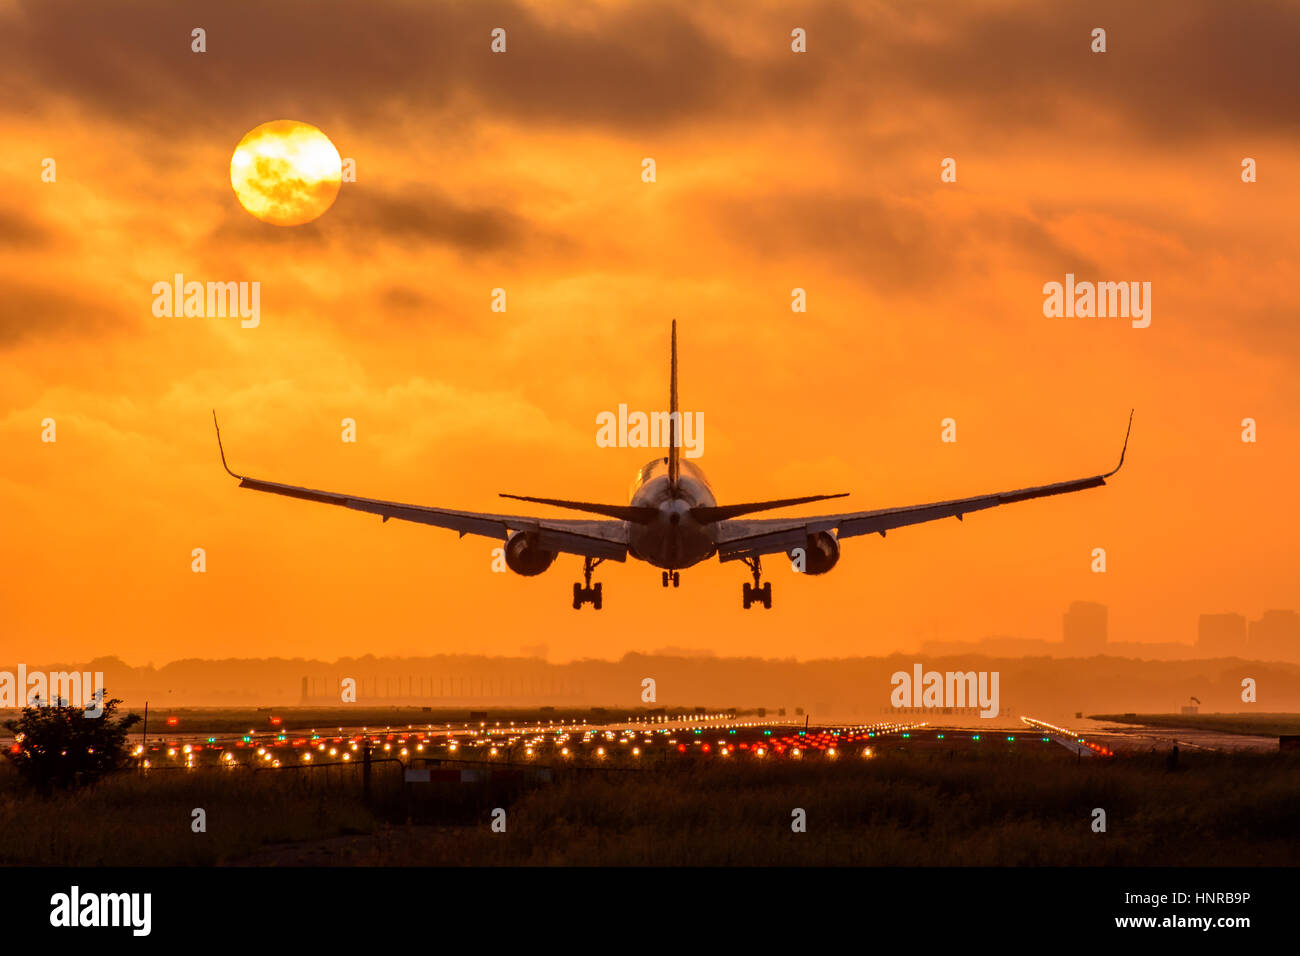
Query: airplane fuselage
x,y
672,539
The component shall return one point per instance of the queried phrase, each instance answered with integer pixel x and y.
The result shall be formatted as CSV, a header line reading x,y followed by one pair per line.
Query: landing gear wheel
x,y
585,593
665,579
758,592
677,579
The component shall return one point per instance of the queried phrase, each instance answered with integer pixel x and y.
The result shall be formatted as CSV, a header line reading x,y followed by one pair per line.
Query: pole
x,y
144,736
365,771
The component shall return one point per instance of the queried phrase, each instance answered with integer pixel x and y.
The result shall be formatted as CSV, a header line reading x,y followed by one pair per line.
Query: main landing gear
x,y
673,576
588,594
758,593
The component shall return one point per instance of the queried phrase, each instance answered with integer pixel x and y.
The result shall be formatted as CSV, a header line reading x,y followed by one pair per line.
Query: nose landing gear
x,y
673,576
587,594
758,593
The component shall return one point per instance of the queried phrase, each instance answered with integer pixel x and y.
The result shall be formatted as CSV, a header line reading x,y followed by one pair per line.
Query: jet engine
x,y
821,552
523,556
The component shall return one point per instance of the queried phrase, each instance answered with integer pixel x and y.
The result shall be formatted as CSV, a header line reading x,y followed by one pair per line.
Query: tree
x,y
60,746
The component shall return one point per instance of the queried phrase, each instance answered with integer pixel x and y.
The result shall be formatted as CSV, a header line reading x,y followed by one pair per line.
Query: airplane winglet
x,y
1123,450
222,450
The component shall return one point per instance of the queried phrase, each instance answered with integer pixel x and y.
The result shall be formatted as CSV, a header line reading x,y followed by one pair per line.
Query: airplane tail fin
x,y
674,420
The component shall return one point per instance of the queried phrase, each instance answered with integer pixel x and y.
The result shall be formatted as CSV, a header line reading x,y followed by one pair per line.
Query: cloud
x,y
1173,69
895,246
414,217
20,231
34,311
429,216
640,65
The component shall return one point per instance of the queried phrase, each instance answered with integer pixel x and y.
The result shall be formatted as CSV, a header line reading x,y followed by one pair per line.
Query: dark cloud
x,y
896,247
244,228
403,298
633,66
33,311
431,217
416,217
1173,69
20,231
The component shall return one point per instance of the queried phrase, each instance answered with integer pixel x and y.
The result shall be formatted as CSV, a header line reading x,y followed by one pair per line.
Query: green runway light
x,y
941,736
803,733
976,737
248,740
1012,739
212,740
907,735
1045,740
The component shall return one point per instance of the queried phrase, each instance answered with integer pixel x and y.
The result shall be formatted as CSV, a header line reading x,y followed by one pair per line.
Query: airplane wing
x,y
750,539
590,538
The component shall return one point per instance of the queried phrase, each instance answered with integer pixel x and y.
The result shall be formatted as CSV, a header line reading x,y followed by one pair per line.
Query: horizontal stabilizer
x,y
637,515
708,515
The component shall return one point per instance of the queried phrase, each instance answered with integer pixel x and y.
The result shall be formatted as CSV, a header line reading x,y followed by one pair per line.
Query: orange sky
x,y
522,171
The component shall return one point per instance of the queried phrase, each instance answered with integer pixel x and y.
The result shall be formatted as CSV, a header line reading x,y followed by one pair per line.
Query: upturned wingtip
x,y
1124,450
221,449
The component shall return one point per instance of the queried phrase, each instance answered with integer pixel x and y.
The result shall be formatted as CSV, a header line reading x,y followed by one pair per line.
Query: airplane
x,y
673,520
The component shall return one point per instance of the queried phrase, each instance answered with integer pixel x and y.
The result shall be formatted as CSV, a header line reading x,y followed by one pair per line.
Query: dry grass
x,y
897,809
129,819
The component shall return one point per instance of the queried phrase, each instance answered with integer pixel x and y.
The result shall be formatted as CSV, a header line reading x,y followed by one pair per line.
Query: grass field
x,y
901,808
1263,725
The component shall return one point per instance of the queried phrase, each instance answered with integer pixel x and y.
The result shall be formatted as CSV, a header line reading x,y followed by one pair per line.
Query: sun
x,y
285,172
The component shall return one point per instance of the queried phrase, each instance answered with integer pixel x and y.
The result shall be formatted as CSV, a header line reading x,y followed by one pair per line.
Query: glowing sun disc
x,y
285,172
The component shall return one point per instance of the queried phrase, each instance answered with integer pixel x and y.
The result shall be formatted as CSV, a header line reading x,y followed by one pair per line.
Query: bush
x,y
62,747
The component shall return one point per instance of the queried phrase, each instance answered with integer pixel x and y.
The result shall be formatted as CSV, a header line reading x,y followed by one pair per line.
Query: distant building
x,y
1221,634
1275,636
1085,626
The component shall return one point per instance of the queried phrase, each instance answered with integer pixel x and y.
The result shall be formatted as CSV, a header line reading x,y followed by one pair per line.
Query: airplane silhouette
x,y
673,520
